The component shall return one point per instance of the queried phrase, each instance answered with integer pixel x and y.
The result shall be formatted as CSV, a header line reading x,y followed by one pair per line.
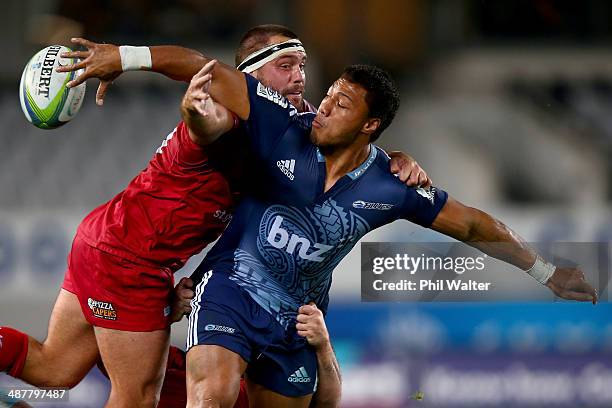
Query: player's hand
x,y
100,61
181,301
197,99
408,170
311,325
569,283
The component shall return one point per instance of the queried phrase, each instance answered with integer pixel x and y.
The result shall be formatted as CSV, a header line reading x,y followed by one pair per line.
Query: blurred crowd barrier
x,y
511,355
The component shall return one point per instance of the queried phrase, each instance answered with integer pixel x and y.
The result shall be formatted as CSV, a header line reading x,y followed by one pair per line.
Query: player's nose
x,y
324,107
298,75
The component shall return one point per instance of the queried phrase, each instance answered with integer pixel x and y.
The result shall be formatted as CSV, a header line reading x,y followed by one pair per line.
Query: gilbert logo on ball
x,y
45,100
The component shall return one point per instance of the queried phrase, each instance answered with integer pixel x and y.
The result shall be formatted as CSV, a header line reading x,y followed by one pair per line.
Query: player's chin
x,y
296,100
315,137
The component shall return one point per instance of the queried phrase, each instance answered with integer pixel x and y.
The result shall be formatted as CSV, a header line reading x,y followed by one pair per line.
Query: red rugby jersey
x,y
170,211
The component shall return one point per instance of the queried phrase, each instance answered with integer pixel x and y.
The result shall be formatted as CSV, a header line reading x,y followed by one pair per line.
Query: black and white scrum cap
x,y
259,58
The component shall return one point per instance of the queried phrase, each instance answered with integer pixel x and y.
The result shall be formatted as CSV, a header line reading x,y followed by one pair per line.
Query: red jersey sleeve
x,y
188,152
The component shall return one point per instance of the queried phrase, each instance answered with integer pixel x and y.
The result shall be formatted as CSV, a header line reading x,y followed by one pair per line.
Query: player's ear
x,y
370,126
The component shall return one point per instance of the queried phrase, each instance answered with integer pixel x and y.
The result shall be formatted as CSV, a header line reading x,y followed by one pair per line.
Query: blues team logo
x,y
219,328
364,205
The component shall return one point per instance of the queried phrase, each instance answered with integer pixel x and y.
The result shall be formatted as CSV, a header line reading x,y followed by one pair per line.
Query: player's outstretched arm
x,y
107,61
311,325
495,239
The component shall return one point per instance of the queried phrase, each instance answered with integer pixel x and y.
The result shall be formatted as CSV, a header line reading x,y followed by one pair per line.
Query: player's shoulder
x,y
382,168
389,184
379,178
418,200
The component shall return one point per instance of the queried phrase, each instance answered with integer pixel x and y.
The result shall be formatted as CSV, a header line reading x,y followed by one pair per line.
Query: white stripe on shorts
x,y
190,325
192,338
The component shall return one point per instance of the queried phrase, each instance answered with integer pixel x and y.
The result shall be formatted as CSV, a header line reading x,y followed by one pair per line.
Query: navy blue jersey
x,y
287,234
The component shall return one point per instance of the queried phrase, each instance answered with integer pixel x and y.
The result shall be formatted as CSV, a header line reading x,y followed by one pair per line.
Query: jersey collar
x,y
364,166
359,170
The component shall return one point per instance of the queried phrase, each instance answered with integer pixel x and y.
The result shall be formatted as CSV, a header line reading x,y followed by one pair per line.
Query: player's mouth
x,y
295,91
317,124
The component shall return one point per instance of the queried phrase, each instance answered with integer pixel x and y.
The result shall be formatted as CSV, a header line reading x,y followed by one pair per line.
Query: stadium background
x,y
504,103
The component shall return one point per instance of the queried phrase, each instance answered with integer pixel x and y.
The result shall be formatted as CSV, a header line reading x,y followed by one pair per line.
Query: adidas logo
x,y
287,166
300,376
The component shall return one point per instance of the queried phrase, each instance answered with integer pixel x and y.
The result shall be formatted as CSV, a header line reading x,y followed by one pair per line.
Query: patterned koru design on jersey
x,y
300,249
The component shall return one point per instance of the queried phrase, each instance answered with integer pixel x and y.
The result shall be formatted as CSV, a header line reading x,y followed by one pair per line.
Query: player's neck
x,y
302,107
340,161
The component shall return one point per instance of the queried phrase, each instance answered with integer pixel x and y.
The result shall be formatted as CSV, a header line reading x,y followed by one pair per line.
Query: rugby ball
x,y
45,100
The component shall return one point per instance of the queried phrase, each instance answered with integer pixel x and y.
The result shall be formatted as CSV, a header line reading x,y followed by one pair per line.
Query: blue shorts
x,y
225,315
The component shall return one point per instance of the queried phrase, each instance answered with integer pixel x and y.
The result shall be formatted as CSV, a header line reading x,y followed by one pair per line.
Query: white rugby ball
x,y
45,100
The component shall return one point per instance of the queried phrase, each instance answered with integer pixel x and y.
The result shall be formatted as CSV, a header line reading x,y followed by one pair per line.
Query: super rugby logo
x,y
279,238
102,310
364,205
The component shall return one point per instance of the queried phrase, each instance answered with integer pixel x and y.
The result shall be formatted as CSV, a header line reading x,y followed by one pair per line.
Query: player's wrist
x,y
323,346
135,58
541,270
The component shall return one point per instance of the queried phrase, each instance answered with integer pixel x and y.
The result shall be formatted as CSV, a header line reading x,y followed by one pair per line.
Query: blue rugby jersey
x,y
287,234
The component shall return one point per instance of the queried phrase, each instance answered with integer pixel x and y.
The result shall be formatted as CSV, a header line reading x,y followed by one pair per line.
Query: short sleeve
x,y
188,152
422,205
177,149
269,118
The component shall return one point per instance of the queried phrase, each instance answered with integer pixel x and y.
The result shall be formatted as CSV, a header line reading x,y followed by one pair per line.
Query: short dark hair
x,y
258,37
382,95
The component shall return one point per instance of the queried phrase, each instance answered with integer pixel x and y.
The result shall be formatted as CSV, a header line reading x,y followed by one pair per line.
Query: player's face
x,y
285,74
342,115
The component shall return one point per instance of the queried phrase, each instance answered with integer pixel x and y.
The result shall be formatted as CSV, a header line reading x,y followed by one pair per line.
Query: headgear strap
x,y
259,58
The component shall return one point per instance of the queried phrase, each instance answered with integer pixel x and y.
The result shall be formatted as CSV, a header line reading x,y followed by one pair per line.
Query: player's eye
x,y
285,66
